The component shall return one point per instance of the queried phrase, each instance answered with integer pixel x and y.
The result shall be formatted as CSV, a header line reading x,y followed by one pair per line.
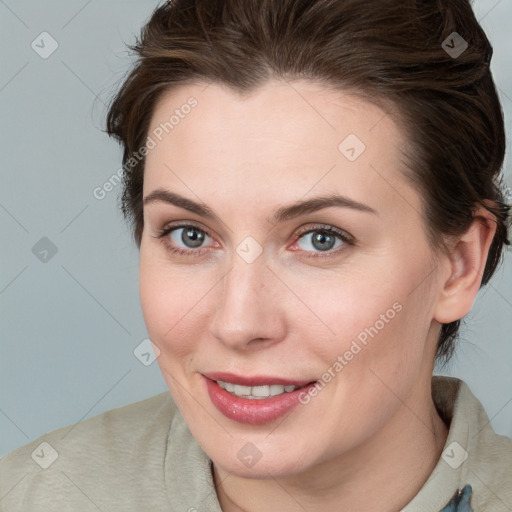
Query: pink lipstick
x,y
254,400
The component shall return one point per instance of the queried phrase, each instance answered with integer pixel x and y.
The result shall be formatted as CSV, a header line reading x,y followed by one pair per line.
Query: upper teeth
x,y
257,392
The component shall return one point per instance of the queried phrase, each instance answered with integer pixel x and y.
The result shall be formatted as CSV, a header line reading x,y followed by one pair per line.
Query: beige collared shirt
x,y
142,457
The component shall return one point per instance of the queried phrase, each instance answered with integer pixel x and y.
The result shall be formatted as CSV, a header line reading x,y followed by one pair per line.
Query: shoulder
x,y
90,463
475,466
488,467
481,457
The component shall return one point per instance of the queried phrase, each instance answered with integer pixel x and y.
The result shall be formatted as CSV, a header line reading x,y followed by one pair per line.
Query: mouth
x,y
254,400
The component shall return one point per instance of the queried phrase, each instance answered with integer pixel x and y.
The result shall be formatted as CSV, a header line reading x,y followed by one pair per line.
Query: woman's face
x,y
262,296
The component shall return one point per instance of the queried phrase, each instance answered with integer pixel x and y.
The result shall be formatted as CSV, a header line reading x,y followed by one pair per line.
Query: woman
x,y
314,189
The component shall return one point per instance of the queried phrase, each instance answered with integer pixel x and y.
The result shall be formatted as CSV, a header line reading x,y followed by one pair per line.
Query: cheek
x,y
344,306
170,298
371,320
373,361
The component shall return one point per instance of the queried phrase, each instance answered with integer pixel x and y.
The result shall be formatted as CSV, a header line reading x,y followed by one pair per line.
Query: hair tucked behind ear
x,y
400,52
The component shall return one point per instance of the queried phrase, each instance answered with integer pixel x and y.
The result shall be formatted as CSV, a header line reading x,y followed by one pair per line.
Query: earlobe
x,y
467,261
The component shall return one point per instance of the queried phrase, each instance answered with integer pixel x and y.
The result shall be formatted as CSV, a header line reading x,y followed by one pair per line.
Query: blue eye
x,y
323,239
190,236
187,234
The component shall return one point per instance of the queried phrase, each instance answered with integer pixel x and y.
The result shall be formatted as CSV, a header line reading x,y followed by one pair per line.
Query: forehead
x,y
283,137
295,111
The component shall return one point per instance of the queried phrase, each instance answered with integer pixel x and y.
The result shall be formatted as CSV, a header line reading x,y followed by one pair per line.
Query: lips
x,y
252,399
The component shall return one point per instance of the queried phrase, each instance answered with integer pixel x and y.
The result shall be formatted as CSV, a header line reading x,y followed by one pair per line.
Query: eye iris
x,y
192,237
323,241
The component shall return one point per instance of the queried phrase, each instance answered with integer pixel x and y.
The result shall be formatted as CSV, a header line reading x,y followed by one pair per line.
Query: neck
x,y
382,475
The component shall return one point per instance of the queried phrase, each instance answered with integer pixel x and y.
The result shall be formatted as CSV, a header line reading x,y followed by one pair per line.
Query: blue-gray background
x,y
70,324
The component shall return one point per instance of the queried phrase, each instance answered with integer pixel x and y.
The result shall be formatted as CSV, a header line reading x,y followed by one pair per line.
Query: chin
x,y
262,469
245,460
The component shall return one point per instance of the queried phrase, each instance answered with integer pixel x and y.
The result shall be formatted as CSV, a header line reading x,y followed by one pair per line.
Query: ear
x,y
465,266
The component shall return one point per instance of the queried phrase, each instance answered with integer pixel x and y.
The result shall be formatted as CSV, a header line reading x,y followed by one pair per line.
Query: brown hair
x,y
390,50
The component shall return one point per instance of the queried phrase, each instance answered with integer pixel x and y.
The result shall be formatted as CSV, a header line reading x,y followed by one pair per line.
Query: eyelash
x,y
321,228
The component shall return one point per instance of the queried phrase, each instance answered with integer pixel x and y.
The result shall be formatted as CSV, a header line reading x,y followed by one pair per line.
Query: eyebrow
x,y
282,214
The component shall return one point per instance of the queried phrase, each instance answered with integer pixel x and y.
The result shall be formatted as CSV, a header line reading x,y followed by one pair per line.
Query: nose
x,y
249,312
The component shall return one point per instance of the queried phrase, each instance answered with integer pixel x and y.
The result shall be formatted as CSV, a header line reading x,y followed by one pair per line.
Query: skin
x,y
290,314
